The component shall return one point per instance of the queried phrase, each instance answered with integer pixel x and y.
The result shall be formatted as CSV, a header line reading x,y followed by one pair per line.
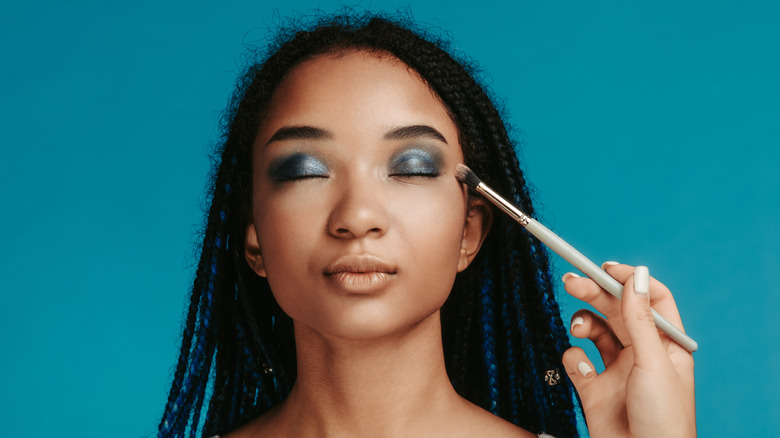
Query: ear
x,y
479,217
252,251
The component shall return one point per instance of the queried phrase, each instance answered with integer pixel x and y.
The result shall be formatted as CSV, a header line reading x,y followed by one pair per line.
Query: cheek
x,y
286,233
437,216
434,230
286,251
280,215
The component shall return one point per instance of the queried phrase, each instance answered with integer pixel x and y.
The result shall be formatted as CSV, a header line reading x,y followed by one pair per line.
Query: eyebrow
x,y
414,131
313,133
299,133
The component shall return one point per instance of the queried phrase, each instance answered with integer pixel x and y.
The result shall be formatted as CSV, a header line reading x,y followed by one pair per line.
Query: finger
x,y
661,298
588,291
619,271
579,369
649,351
586,324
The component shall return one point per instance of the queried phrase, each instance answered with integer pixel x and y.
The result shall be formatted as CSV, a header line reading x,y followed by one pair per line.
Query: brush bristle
x,y
466,176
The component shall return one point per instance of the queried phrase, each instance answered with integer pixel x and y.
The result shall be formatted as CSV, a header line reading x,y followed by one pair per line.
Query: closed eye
x,y
415,162
297,166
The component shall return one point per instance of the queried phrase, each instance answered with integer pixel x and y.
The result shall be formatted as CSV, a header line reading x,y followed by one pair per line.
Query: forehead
x,y
357,90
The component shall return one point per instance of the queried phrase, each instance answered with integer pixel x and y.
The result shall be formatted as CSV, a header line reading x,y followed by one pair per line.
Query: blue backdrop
x,y
650,133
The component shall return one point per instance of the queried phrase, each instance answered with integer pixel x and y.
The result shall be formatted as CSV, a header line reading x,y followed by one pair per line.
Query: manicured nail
x,y
605,264
577,321
569,275
584,368
641,280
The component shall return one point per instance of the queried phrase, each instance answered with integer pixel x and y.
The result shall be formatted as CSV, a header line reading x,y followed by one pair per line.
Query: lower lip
x,y
360,282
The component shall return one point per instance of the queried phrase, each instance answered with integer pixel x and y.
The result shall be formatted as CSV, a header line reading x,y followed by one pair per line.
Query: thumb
x,y
639,321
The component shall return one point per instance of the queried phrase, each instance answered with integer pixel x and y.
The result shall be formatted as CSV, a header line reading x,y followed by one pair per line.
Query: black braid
x,y
501,325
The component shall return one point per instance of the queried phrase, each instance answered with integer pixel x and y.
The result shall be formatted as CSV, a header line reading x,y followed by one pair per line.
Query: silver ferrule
x,y
502,203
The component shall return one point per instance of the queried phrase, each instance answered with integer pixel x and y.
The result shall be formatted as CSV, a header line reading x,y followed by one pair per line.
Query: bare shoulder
x,y
266,425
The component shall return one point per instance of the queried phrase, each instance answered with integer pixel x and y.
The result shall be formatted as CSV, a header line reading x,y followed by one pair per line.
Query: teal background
x,y
650,133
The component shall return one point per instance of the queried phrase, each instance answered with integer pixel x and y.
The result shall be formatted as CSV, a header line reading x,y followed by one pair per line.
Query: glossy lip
x,y
361,273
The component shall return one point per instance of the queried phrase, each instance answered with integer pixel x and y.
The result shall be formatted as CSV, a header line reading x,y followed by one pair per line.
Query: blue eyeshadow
x,y
297,166
416,161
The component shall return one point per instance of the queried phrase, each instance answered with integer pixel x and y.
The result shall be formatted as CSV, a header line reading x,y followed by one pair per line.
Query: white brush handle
x,y
579,261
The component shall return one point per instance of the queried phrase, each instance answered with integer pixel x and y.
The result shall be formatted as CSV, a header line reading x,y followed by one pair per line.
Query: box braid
x,y
501,324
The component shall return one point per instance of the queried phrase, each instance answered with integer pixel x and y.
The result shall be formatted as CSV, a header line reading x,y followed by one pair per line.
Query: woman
x,y
349,286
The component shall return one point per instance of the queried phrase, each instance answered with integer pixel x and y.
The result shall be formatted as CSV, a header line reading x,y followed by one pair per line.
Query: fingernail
x,y
577,321
641,280
584,368
569,275
605,264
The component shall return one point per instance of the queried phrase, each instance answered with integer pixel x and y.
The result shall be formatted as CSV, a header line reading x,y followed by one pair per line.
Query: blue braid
x,y
268,359
178,389
197,364
249,362
205,350
559,332
538,360
489,346
188,405
184,400
174,422
510,321
234,402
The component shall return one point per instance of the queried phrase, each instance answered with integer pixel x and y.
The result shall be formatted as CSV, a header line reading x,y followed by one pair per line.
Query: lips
x,y
360,273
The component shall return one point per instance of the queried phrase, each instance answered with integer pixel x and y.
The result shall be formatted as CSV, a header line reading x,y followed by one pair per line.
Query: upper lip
x,y
359,263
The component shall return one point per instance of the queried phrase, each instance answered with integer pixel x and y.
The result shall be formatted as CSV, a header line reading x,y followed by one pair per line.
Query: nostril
x,y
346,232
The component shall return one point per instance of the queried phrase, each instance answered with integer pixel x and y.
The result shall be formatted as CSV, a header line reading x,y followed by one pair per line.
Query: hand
x,y
647,387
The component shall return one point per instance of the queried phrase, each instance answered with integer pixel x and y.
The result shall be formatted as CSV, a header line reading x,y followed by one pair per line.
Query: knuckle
x,y
599,336
645,316
575,288
592,291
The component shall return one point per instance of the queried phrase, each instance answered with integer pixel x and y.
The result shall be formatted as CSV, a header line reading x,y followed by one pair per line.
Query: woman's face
x,y
359,223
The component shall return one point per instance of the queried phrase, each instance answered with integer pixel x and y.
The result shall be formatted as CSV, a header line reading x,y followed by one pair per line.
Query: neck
x,y
379,387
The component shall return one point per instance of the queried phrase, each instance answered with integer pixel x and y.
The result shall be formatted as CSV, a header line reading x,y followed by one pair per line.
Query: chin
x,y
373,325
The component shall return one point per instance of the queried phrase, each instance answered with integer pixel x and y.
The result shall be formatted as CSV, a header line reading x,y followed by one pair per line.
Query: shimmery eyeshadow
x,y
422,161
296,166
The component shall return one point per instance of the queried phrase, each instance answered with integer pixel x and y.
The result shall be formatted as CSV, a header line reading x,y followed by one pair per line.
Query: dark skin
x,y
363,273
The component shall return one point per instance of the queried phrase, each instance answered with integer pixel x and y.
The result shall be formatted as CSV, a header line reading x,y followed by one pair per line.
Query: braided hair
x,y
501,325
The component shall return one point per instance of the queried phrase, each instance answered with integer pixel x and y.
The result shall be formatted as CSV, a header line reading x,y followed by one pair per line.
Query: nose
x,y
359,211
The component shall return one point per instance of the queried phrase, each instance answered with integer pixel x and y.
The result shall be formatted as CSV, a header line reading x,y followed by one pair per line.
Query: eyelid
x,y
297,166
426,162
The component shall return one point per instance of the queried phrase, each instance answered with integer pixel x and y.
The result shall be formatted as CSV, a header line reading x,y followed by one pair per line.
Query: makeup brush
x,y
563,249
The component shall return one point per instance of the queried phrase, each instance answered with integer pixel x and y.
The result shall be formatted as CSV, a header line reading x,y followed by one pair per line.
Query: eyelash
x,y
299,178
425,174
